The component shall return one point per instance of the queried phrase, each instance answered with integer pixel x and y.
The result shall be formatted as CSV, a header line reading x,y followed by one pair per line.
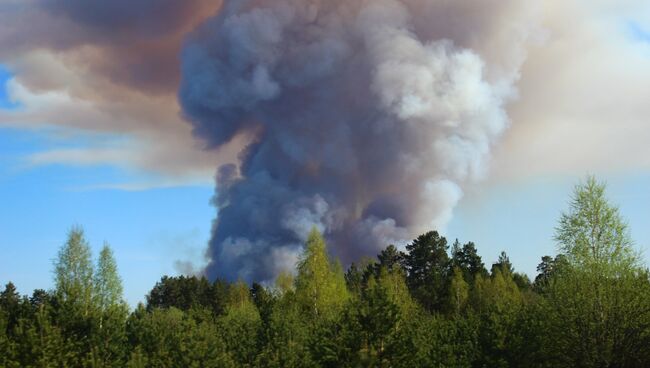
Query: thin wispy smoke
x,y
369,118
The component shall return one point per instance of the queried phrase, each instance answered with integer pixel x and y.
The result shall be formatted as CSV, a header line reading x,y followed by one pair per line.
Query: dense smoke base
x,y
368,116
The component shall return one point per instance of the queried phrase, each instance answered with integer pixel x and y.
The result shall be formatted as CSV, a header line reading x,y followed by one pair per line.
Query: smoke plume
x,y
368,118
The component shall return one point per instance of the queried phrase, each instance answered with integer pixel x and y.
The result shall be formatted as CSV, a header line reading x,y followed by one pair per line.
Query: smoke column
x,y
368,117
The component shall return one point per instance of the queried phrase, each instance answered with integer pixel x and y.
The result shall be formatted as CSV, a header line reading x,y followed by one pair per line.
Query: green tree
x,y
74,292
263,300
436,341
47,346
378,318
498,303
241,326
547,269
108,284
110,335
5,343
503,264
427,266
599,303
172,338
467,259
288,335
185,292
458,292
11,304
320,283
73,271
592,234
390,258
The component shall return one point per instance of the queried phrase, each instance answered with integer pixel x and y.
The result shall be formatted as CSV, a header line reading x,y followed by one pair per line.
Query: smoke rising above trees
x,y
368,119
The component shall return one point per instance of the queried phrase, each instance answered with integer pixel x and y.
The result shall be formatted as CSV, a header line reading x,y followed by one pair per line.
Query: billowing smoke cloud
x,y
369,118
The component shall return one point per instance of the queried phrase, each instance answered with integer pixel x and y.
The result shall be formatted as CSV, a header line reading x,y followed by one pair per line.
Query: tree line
x,y
435,304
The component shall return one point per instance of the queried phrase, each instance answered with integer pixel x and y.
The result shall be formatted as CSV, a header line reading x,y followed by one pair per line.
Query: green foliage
x,y
427,266
241,326
378,317
599,302
390,258
592,234
73,272
286,339
467,259
172,338
435,341
589,306
497,303
458,292
502,265
184,292
108,285
320,284
547,270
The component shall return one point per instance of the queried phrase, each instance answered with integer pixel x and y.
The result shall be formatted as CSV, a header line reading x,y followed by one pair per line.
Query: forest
x,y
435,304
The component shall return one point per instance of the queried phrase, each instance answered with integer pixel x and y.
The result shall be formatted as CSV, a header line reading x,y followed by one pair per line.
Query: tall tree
x,y
467,259
498,302
503,264
593,233
427,266
320,283
73,271
599,305
390,258
108,284
378,317
110,337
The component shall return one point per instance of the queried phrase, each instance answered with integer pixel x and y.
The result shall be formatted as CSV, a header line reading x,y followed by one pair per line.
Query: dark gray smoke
x,y
368,118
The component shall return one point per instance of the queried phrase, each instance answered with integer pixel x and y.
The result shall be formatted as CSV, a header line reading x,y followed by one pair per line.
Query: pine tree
x,y
467,259
427,266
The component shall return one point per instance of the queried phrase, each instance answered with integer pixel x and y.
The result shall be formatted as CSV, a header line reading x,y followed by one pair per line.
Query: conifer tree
x,y
427,266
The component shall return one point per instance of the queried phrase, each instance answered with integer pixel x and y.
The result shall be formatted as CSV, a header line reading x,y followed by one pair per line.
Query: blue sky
x,y
5,101
638,32
520,218
149,230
